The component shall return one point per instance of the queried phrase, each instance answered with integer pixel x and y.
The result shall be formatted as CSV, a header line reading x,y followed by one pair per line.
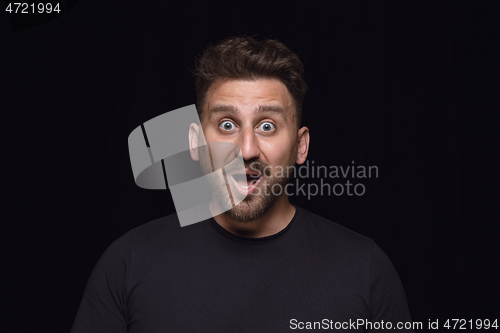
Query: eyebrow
x,y
217,108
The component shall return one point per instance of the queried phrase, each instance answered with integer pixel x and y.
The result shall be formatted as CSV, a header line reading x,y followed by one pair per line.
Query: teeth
x,y
245,187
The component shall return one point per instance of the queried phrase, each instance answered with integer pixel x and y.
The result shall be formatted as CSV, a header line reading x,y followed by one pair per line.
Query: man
x,y
264,265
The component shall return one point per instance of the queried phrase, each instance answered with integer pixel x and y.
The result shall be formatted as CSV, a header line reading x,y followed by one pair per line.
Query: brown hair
x,y
245,58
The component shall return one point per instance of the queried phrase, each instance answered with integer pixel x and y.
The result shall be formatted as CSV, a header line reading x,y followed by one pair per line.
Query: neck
x,y
275,220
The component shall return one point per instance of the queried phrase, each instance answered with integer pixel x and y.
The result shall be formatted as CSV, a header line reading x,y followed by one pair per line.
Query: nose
x,y
249,145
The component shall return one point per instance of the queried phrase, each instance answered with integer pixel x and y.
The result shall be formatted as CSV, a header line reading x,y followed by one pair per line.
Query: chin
x,y
251,208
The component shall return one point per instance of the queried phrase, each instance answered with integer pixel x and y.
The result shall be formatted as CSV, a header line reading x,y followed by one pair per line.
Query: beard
x,y
258,203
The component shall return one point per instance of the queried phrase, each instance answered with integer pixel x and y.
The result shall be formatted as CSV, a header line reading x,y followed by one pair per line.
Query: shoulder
x,y
163,230
334,234
169,223
350,250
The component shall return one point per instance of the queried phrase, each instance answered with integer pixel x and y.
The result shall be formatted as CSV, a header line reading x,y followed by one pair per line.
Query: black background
x,y
385,90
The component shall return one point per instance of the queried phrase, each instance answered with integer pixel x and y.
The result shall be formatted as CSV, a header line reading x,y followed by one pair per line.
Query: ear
x,y
302,145
194,135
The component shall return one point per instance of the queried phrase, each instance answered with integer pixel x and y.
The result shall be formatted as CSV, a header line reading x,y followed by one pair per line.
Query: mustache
x,y
260,166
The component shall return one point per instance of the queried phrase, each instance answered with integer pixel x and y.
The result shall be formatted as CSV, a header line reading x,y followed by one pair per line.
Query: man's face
x,y
259,117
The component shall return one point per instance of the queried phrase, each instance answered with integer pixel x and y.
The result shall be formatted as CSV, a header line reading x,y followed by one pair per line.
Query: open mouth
x,y
245,180
246,183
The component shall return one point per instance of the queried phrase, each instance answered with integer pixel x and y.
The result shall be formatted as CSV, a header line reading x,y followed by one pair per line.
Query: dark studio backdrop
x,y
383,92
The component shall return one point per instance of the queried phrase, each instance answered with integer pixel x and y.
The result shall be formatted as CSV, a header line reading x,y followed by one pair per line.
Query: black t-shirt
x,y
312,275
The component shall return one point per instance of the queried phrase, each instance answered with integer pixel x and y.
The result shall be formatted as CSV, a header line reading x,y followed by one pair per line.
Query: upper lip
x,y
252,172
247,172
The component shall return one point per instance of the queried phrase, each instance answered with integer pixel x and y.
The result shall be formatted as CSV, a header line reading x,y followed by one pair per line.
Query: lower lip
x,y
245,191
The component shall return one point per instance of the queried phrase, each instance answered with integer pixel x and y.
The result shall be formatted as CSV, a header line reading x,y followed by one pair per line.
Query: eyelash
x,y
268,122
226,121
231,122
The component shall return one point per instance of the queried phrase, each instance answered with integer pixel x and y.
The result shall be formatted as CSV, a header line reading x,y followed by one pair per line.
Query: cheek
x,y
211,135
278,154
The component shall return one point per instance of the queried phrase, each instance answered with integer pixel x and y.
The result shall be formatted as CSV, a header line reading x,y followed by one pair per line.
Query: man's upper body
x,y
263,265
161,278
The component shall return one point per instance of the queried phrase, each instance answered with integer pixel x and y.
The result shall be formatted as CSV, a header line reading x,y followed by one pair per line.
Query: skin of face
x,y
259,117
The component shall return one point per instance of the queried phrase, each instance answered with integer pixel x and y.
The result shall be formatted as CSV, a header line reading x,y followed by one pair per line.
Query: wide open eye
x,y
227,125
266,127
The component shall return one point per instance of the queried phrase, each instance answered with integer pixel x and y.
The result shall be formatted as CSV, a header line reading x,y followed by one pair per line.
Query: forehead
x,y
249,95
